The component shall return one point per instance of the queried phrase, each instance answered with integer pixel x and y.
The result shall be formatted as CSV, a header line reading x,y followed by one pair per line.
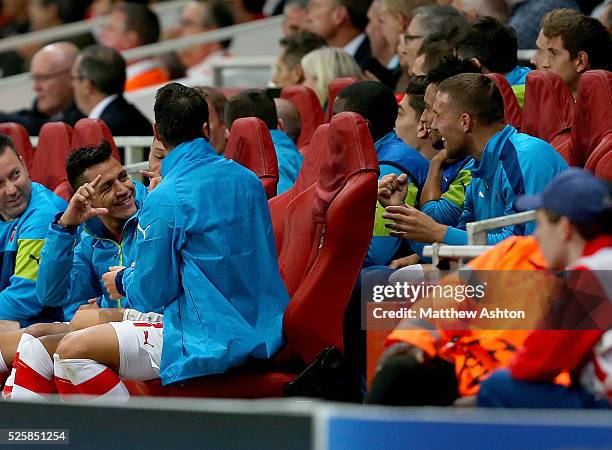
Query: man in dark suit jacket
x,y
341,23
50,72
98,82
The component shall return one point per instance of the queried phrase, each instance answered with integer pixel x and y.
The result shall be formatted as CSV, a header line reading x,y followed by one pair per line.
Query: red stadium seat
x,y
310,110
512,110
604,147
64,190
49,166
334,89
309,174
593,117
250,145
21,139
93,132
548,112
319,262
604,167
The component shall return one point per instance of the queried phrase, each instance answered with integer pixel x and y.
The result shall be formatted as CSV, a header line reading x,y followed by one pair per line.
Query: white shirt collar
x,y
139,67
352,47
98,110
393,63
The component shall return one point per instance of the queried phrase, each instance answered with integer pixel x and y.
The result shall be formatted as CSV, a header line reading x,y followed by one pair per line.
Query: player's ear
x,y
206,131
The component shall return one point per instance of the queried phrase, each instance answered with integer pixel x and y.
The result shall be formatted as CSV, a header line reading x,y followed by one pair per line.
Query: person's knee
x,y
74,346
493,388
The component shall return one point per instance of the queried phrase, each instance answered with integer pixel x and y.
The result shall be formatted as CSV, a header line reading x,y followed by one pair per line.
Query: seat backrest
x,y
327,233
593,117
309,107
334,87
64,190
604,147
21,139
604,166
250,145
309,174
92,132
548,111
512,110
49,166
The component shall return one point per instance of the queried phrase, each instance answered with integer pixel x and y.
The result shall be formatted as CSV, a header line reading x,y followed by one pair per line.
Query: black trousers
x,y
403,381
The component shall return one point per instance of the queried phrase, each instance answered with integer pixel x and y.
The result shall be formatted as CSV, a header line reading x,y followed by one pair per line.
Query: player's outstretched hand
x,y
81,209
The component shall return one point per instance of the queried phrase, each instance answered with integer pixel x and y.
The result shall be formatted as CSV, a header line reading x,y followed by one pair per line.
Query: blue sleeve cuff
x,y
455,236
119,283
57,227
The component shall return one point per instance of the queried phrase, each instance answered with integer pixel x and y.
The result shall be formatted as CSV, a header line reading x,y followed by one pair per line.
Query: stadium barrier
x,y
301,424
477,238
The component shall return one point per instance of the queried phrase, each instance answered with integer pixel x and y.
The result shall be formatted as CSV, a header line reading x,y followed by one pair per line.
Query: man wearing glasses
x,y
50,72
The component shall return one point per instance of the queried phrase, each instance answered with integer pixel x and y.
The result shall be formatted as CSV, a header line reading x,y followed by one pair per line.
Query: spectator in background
x,y
42,15
288,70
289,115
380,48
606,18
296,13
131,25
492,46
246,10
14,17
434,49
395,16
575,44
100,8
98,81
198,17
256,103
426,21
216,101
324,65
475,9
342,24
527,15
50,70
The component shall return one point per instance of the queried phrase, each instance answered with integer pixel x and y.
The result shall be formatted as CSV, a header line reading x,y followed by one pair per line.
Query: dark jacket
x,y
33,119
124,119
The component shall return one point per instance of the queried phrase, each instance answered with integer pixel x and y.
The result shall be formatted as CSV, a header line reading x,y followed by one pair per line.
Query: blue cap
x,y
576,194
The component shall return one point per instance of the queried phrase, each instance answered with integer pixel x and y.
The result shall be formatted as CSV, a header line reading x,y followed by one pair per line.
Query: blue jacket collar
x,y
390,136
517,75
185,149
281,137
487,166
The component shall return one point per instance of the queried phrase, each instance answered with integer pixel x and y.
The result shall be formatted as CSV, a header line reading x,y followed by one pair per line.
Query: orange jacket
x,y
147,78
475,354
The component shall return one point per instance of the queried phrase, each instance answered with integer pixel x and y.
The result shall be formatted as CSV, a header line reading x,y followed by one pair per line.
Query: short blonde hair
x,y
328,63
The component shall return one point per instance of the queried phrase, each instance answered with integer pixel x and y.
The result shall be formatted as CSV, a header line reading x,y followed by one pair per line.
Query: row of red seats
x,y
319,260
46,165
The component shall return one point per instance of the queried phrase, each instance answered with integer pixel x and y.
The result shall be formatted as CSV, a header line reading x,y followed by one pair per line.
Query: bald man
x,y
50,72
289,115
